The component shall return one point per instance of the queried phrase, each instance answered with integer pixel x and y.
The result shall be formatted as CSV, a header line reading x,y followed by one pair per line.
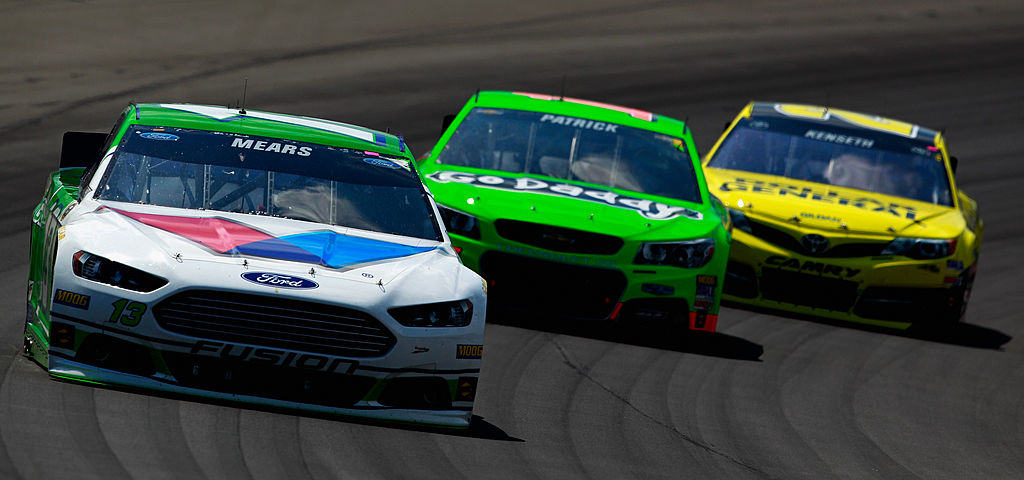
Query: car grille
x,y
740,280
270,381
784,239
274,322
903,304
809,290
552,287
558,239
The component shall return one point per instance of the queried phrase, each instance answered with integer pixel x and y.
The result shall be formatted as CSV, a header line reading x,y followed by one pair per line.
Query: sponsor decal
x,y
819,268
271,356
71,299
469,352
579,123
278,280
648,209
380,162
704,297
167,137
264,146
61,233
781,189
127,313
818,216
839,138
955,265
420,350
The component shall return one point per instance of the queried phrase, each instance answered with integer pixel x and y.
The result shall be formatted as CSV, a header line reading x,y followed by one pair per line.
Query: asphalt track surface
x,y
766,397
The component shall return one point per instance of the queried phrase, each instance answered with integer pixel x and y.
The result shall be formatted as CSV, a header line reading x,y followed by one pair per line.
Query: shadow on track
x,y
663,336
478,427
962,334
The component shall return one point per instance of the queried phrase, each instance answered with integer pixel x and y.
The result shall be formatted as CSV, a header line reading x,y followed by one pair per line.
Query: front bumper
x,y
65,369
595,287
426,378
888,291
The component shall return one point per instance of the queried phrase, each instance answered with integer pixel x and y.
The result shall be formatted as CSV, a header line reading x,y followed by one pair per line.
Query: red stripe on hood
x,y
215,233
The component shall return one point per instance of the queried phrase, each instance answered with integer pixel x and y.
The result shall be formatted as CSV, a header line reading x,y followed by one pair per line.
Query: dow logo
x,y
278,280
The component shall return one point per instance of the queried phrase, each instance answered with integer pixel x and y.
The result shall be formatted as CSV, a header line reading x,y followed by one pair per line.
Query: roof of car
x,y
843,118
561,105
268,124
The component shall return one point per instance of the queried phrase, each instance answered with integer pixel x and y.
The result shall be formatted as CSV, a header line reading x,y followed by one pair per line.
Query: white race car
x,y
265,258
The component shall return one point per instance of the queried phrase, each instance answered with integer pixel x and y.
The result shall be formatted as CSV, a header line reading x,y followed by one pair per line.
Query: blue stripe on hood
x,y
328,248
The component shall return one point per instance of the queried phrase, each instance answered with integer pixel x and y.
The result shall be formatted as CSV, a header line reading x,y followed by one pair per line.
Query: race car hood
x,y
225,237
829,207
544,200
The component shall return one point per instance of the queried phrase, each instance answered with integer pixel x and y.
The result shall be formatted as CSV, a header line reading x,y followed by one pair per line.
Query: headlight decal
x,y
459,223
921,248
739,220
684,254
102,270
444,314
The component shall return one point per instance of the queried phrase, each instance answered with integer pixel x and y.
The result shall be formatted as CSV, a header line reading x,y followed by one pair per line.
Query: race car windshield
x,y
572,148
853,158
267,176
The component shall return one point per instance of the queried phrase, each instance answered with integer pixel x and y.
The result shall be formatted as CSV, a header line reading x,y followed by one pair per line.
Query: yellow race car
x,y
843,215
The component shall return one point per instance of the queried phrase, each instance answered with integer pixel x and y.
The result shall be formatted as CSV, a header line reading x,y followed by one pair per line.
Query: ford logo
x,y
160,136
278,280
380,162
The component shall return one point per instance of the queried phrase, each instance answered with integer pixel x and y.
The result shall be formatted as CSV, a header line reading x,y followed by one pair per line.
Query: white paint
x,y
222,113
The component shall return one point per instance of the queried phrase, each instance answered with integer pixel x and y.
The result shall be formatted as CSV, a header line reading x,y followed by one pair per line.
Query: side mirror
x,y
81,149
953,161
447,122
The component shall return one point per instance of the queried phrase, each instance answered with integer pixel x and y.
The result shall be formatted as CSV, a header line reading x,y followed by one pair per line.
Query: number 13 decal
x,y
128,313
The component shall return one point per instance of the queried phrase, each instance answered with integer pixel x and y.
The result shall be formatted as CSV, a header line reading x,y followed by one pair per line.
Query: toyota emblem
x,y
815,244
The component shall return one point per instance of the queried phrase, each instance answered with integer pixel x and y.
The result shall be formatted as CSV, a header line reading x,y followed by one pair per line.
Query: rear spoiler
x,y
81,149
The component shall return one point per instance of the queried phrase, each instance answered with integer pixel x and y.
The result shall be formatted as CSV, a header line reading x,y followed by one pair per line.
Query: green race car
x,y
580,209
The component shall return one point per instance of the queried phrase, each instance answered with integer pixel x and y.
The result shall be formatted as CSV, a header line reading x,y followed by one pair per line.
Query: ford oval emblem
x,y
160,136
380,162
278,280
